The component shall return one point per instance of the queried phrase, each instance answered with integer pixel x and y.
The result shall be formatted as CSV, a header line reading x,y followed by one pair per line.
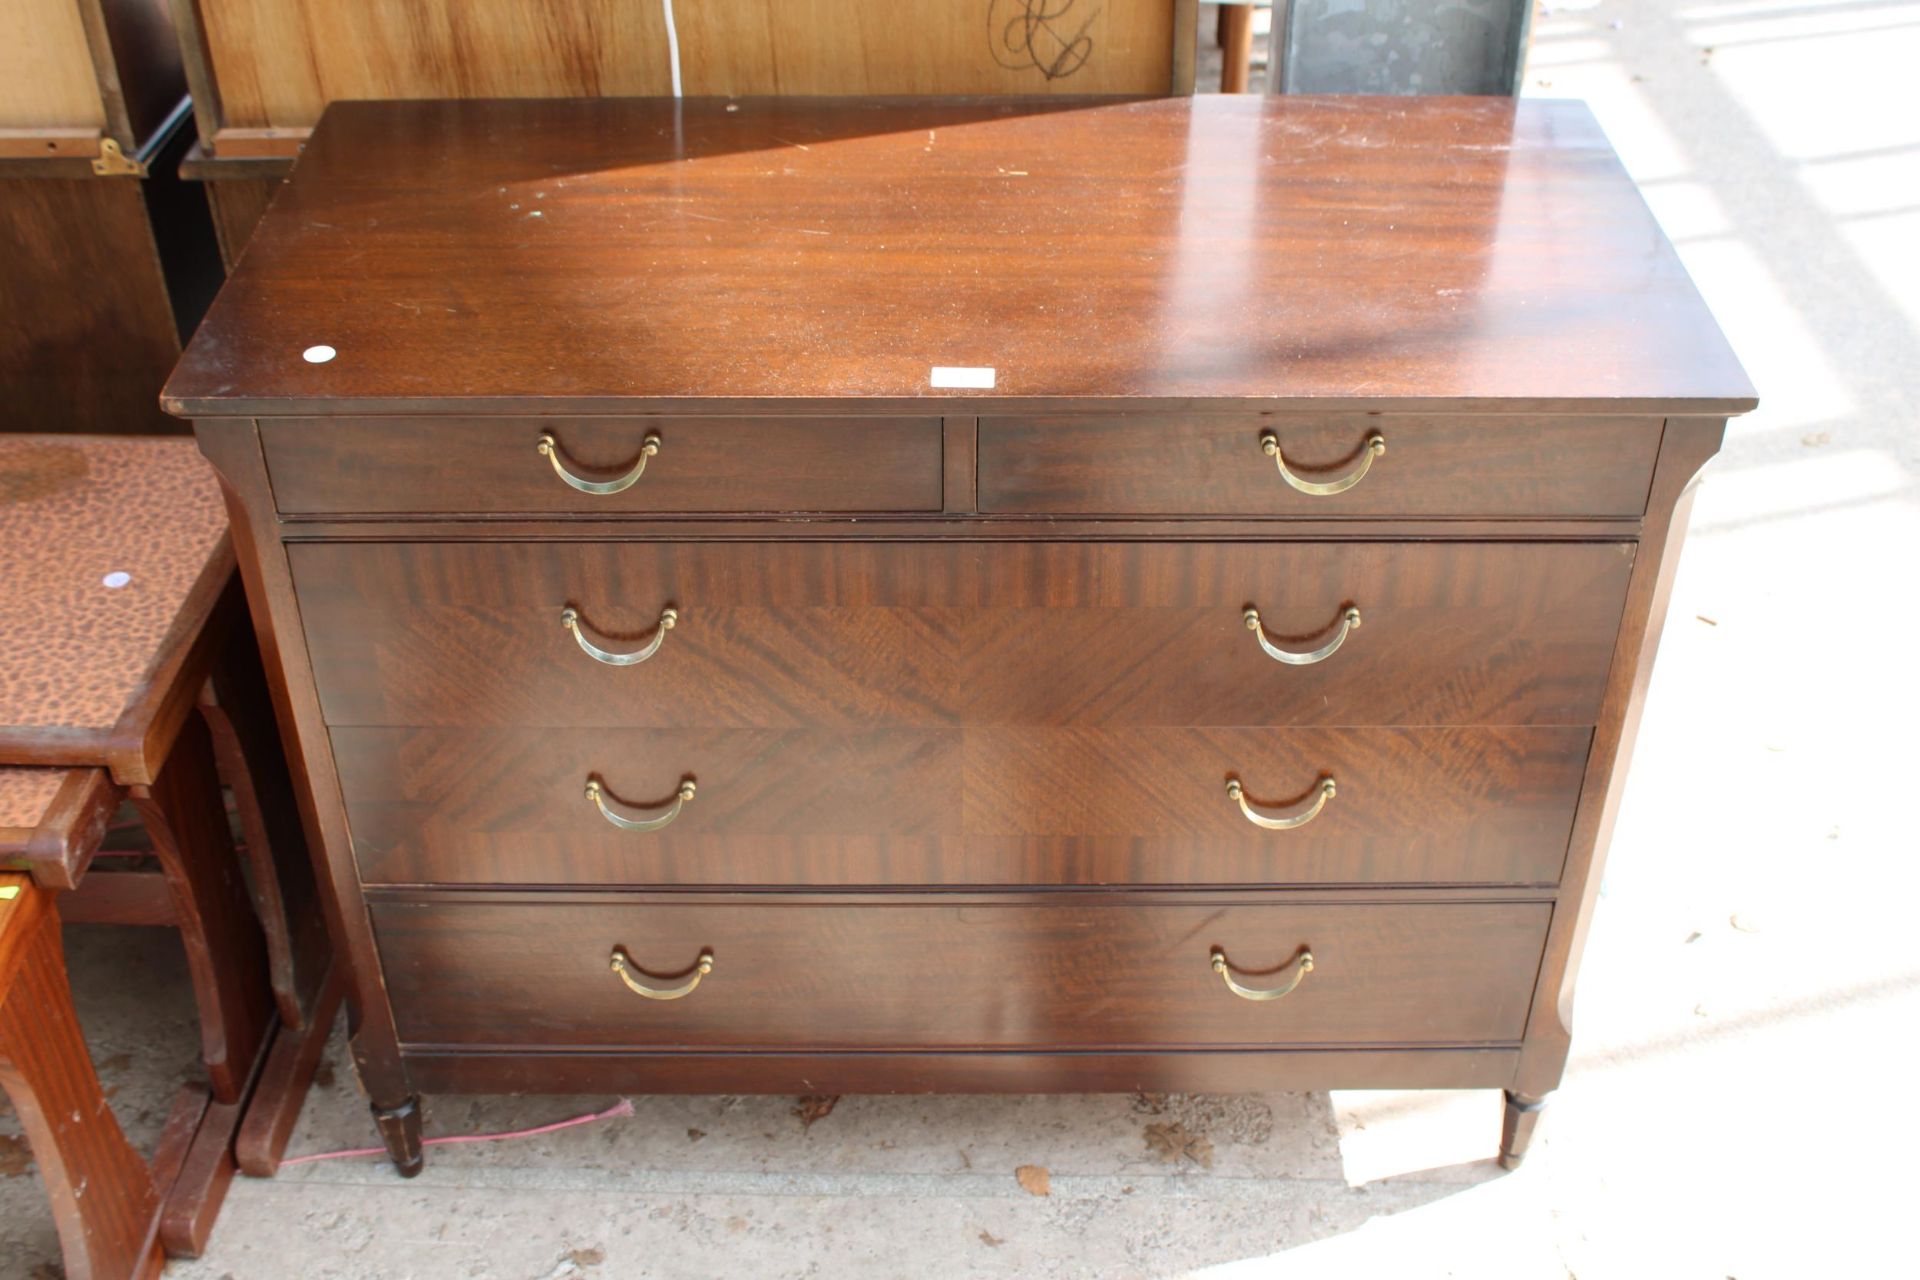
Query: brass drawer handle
x,y
1348,622
622,964
1324,793
1270,445
549,448
570,619
1301,965
597,794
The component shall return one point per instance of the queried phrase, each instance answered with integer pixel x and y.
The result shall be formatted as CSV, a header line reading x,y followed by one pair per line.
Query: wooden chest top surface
x,y
826,254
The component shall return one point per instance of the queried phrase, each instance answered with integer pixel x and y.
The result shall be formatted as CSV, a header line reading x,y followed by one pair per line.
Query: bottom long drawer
x,y
1084,971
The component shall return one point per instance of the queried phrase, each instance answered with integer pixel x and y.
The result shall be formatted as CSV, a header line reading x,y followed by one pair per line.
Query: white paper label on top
x,y
952,376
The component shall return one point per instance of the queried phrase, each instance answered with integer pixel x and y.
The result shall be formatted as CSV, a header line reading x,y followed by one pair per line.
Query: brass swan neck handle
x,y
1375,446
549,448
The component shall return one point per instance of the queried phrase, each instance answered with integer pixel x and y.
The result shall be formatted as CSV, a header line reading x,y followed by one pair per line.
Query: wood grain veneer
x,y
1460,465
1468,254
703,464
979,806
888,975
856,633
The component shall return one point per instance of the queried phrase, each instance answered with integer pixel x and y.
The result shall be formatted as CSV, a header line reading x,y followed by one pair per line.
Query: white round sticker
x,y
318,354
115,580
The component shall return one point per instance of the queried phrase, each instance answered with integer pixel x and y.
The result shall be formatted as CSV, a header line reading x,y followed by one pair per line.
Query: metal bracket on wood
x,y
115,163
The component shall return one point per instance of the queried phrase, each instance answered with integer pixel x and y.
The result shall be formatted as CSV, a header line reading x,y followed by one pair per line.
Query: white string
x,y
673,46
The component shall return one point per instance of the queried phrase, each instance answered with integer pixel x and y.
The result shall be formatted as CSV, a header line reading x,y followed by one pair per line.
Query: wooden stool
x,y
104,1200
126,659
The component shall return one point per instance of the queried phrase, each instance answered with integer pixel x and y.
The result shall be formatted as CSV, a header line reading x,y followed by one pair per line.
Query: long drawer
x,y
495,466
795,634
1432,466
975,806
1084,971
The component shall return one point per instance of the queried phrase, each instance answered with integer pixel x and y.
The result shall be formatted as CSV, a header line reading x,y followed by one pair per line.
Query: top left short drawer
x,y
601,466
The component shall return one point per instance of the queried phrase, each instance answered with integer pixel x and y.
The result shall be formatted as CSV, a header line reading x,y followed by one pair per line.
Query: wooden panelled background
x,y
104,257
275,64
46,69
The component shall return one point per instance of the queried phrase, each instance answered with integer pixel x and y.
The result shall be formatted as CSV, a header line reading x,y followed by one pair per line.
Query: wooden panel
x,y
907,807
279,62
1215,1071
147,66
1475,255
791,634
237,205
1433,466
714,464
1085,973
47,78
87,335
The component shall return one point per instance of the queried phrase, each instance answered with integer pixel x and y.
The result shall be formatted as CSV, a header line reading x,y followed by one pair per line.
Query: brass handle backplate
x,y
1296,969
1270,445
549,448
1349,620
623,966
570,619
597,794
1323,793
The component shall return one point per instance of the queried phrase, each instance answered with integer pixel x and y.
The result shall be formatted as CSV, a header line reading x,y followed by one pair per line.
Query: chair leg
x,y
105,1204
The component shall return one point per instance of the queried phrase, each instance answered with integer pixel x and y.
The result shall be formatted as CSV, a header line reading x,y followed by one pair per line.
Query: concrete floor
x,y
1740,1099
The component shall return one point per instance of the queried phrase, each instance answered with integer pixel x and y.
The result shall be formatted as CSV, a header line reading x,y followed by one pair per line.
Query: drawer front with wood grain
x,y
1321,465
602,466
795,634
981,806
1084,971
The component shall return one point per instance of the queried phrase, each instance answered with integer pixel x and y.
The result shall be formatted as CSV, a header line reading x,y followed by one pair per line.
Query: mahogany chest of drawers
x,y
847,595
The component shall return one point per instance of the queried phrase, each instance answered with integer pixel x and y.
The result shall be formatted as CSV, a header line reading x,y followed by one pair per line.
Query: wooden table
x,y
820,595
129,673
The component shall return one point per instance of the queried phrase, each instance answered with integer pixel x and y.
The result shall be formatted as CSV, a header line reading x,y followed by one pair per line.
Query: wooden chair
x,y
105,1201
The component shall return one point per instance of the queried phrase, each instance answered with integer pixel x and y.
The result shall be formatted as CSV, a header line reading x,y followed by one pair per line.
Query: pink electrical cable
x,y
624,1107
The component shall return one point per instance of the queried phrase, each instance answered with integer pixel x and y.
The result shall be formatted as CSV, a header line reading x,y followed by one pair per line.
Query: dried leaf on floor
x,y
694,1135
16,1157
1034,1179
1175,1142
1149,1104
815,1107
990,1240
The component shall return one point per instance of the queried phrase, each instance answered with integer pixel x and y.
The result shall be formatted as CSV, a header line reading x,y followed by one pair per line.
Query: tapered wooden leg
x,y
400,1130
226,952
105,1204
1516,1129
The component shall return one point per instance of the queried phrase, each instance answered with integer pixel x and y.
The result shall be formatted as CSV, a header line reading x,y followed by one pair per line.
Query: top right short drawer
x,y
1319,465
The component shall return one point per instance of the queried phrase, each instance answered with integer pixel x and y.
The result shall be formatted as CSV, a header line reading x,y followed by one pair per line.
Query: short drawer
x,y
980,806
1434,466
794,634
497,466
1083,971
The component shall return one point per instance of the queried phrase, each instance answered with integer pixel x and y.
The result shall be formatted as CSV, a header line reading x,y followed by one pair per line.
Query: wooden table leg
x,y
105,1205
227,959
239,712
1236,47
226,952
